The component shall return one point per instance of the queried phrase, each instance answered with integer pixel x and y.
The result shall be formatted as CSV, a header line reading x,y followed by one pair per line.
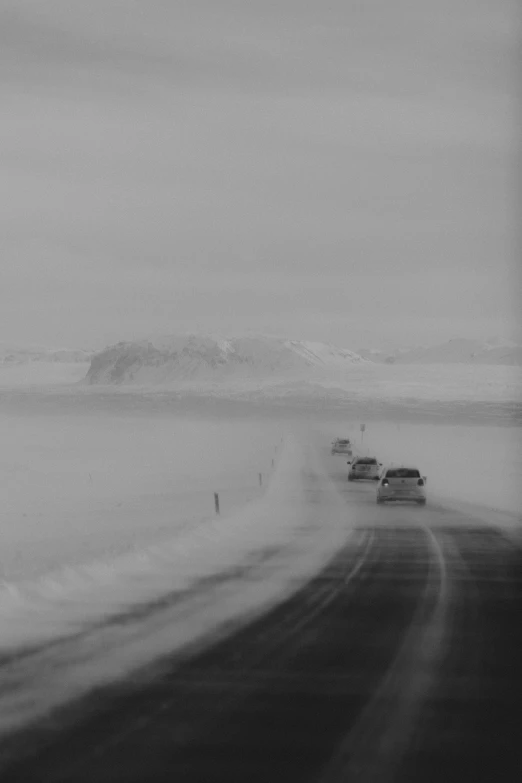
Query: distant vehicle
x,y
402,483
364,468
342,446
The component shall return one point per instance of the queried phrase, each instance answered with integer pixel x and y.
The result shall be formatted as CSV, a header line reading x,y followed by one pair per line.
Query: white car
x,y
364,468
402,483
342,446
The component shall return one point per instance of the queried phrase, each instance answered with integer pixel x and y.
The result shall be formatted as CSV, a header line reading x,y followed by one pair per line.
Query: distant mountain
x,y
10,355
190,359
457,351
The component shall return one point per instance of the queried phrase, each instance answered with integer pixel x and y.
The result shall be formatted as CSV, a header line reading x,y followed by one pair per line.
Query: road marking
x,y
331,591
373,749
362,560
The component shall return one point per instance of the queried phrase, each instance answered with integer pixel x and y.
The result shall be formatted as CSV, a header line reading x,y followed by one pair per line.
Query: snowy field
x,y
76,488
444,382
30,374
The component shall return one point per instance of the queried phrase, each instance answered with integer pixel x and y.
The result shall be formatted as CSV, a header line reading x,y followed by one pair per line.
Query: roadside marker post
x,y
216,502
260,479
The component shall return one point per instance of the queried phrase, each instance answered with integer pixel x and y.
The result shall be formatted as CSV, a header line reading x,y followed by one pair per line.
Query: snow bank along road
x,y
399,661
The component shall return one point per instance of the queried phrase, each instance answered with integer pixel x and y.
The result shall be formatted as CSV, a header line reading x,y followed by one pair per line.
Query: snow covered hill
x,y
196,358
457,351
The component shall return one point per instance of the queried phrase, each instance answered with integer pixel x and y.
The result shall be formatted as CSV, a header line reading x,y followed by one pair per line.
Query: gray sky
x,y
331,169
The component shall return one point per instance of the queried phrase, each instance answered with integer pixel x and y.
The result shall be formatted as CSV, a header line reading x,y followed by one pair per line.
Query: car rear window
x,y
403,473
367,461
343,442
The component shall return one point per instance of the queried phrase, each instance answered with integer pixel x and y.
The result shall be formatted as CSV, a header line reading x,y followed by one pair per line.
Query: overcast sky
x,y
340,170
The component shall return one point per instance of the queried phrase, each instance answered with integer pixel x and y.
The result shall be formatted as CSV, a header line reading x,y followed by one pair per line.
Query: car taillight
x,y
385,482
420,483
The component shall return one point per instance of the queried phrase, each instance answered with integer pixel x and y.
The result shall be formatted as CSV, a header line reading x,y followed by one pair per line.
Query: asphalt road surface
x,y
401,661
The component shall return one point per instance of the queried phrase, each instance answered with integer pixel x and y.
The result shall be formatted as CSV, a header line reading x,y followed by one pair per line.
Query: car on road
x,y
364,468
342,446
404,482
